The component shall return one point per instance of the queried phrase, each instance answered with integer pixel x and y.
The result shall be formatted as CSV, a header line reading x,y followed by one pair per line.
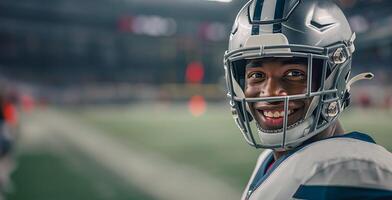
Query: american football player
x,y
288,77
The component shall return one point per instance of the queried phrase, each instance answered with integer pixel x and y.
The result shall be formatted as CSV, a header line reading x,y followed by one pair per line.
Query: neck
x,y
333,130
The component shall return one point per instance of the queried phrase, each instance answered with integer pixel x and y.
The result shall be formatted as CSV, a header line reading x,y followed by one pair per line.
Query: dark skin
x,y
281,77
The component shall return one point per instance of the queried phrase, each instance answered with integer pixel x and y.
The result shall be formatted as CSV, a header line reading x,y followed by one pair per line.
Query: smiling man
x,y
276,77
288,74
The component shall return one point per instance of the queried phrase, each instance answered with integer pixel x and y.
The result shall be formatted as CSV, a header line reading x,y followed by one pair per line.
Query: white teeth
x,y
268,114
276,114
279,130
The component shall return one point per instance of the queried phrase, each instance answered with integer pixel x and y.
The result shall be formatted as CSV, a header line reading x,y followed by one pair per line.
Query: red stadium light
x,y
27,102
197,105
125,24
10,114
194,72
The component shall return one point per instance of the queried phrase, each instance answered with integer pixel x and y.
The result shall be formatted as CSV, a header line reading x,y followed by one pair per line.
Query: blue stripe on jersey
x,y
321,192
257,16
262,171
261,176
279,9
353,135
358,136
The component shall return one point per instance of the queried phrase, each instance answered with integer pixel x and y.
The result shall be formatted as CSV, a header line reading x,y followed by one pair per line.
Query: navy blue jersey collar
x,y
356,135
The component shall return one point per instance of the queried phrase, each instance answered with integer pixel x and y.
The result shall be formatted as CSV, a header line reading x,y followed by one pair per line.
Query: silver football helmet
x,y
314,30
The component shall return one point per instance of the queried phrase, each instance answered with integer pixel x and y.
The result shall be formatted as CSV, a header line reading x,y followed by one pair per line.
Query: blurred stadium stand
x,y
117,47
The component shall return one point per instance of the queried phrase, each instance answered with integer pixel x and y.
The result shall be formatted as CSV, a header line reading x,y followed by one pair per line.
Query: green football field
x,y
48,176
210,142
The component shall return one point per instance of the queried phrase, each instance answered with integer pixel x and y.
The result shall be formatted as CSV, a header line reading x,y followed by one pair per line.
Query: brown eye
x,y
295,75
256,75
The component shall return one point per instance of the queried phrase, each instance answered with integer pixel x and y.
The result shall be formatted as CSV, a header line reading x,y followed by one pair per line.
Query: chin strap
x,y
362,76
351,43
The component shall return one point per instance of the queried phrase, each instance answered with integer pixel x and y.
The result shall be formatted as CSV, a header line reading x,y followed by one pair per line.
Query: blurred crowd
x,y
12,105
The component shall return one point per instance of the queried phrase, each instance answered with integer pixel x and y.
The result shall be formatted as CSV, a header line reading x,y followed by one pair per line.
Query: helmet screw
x,y
332,110
339,56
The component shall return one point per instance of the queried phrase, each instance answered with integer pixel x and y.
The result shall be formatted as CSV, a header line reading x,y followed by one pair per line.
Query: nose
x,y
273,87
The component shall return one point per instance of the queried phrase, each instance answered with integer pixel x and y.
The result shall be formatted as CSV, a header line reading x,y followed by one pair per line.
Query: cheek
x,y
307,103
294,89
251,91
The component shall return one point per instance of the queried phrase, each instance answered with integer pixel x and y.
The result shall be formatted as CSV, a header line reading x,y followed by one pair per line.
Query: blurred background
x,y
125,99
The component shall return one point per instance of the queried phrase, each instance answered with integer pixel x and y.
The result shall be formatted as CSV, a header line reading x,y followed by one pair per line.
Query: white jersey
x,y
351,166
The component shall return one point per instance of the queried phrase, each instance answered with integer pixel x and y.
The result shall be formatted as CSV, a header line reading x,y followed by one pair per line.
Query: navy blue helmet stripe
x,y
257,16
279,9
329,192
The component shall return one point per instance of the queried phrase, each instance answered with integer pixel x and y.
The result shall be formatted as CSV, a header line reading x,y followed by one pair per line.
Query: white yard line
x,y
151,173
